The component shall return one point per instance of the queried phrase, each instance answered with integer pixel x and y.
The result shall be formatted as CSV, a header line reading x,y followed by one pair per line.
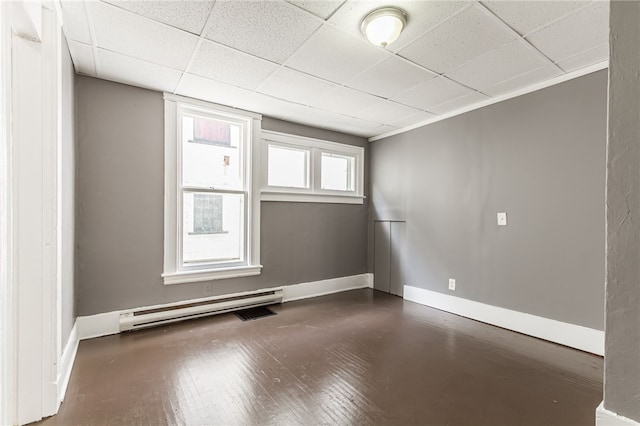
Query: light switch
x,y
502,219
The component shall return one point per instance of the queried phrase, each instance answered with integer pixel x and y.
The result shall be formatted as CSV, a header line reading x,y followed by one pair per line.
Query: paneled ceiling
x,y
306,61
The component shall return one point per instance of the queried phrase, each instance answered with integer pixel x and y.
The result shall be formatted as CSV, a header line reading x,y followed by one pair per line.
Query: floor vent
x,y
254,313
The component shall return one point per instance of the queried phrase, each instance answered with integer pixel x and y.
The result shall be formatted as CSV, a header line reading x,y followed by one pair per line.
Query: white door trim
x,y
28,226
6,288
51,137
35,136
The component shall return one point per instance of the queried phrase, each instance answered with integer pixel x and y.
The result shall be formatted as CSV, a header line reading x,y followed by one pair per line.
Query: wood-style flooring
x,y
355,358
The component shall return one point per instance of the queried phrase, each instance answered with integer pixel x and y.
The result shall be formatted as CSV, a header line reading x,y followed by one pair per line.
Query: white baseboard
x,y
66,362
605,417
324,287
99,325
575,336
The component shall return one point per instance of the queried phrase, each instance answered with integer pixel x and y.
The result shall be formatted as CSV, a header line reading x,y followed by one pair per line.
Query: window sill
x,y
210,274
294,197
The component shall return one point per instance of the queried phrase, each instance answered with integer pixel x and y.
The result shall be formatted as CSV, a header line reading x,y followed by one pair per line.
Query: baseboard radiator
x,y
150,317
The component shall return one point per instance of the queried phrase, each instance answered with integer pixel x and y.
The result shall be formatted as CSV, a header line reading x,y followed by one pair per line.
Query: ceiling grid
x,y
305,61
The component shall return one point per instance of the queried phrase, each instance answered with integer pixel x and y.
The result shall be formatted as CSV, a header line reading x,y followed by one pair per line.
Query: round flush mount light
x,y
383,26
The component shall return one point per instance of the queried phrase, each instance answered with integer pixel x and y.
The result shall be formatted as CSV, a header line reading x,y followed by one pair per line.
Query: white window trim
x,y
182,277
172,273
313,194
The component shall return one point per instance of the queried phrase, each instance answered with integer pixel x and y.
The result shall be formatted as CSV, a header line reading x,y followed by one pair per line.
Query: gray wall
x,y
538,157
68,195
119,231
622,341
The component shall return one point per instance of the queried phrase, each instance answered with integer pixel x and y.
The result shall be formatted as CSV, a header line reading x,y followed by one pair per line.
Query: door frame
x,y
7,356
30,324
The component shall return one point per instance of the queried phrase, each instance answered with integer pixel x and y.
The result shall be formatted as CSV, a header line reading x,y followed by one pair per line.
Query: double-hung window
x,y
211,210
311,170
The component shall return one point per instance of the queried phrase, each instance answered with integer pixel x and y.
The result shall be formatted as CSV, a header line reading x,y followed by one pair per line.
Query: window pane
x,y
207,214
212,228
288,167
337,172
211,153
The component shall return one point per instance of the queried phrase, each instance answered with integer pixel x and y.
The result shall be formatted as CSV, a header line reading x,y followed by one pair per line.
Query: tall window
x,y
211,211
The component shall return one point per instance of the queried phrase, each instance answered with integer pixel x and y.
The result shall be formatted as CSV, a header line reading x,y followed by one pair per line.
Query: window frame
x,y
308,167
315,193
352,169
175,271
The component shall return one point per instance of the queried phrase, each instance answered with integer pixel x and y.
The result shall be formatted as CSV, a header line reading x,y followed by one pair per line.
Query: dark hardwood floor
x,y
360,357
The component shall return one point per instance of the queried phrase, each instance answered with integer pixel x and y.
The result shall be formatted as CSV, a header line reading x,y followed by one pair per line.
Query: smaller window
x,y
288,167
311,170
337,172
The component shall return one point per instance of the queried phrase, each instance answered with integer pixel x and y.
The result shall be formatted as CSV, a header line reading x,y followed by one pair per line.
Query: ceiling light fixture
x,y
383,26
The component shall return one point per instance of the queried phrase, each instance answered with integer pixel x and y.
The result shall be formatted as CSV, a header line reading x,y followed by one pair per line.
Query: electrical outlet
x,y
502,219
207,288
452,284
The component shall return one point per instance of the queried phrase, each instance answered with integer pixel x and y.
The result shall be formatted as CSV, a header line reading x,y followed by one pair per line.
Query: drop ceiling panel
x,y
332,55
433,92
522,81
422,16
309,115
329,120
345,101
213,91
132,35
139,73
527,16
458,40
418,117
390,77
581,31
76,23
82,56
498,65
270,106
321,8
357,126
459,103
387,112
584,59
270,29
227,65
384,129
201,88
186,15
295,86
